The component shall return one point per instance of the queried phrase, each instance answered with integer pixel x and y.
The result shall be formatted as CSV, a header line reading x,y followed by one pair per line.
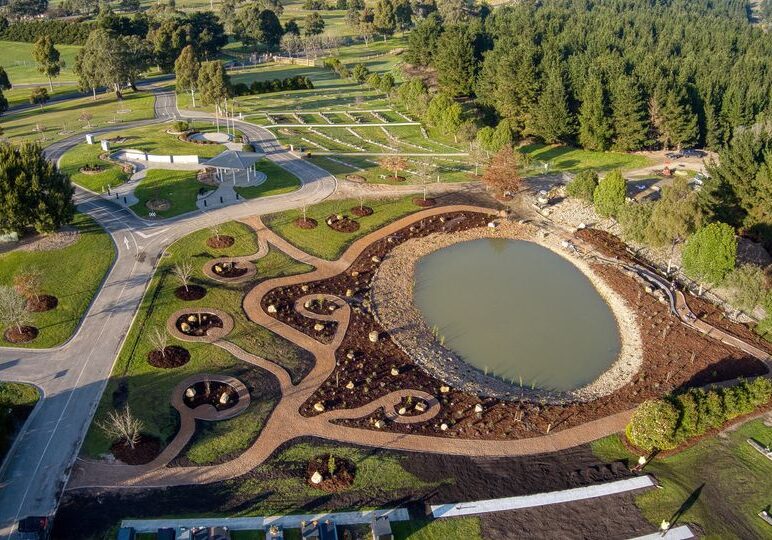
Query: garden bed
x,y
190,293
173,356
145,450
219,395
424,203
320,306
220,242
24,334
341,223
362,211
41,303
198,324
229,269
307,223
333,473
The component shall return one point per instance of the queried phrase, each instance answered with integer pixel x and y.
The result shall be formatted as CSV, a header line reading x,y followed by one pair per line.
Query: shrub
x,y
583,186
609,195
653,425
634,220
64,32
181,126
710,253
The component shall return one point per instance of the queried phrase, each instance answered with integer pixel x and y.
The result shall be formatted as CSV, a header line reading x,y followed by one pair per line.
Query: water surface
x,y
519,311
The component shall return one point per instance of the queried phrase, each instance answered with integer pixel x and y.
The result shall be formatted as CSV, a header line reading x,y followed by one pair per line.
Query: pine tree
x,y
551,119
454,61
422,41
5,83
629,119
385,19
678,123
186,71
594,124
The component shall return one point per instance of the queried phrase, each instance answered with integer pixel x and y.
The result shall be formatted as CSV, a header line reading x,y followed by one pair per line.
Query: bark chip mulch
x,y
229,269
362,211
42,302
307,223
424,203
220,242
339,479
210,393
173,356
341,223
145,451
192,292
198,324
26,334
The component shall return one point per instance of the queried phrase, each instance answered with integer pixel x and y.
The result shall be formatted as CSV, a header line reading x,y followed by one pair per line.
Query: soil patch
x,y
424,203
220,242
192,292
173,356
356,178
341,223
362,211
219,395
341,476
410,406
307,223
145,451
397,178
229,269
26,334
91,169
320,306
158,205
198,324
42,302
711,314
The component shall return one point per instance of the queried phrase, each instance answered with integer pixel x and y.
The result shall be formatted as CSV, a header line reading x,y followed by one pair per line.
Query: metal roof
x,y
234,159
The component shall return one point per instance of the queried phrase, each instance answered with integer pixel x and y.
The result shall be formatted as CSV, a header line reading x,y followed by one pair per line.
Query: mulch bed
x,y
356,178
397,178
320,307
342,224
146,450
424,203
220,242
210,394
341,478
229,269
42,302
173,356
158,205
198,326
307,223
26,334
91,169
362,211
409,406
192,292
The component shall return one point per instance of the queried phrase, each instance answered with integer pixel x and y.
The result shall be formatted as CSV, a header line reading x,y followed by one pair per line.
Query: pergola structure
x,y
233,161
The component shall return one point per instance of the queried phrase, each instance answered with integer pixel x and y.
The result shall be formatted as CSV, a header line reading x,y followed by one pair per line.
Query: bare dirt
x,y
42,302
173,356
424,203
339,479
24,335
308,223
220,242
362,211
190,293
145,451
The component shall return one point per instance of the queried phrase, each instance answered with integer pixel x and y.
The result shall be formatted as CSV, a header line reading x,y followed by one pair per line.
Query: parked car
x,y
674,155
692,152
34,528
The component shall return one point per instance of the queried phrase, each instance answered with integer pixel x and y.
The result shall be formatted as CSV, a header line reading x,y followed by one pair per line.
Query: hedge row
x,y
62,32
276,85
667,423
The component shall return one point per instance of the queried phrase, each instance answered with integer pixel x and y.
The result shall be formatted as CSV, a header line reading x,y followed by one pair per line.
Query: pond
x,y
518,311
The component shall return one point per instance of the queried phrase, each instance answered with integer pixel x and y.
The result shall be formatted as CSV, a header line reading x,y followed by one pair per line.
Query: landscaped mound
x,y
172,356
198,324
362,211
42,302
191,292
219,395
307,223
341,223
144,451
330,473
14,334
220,242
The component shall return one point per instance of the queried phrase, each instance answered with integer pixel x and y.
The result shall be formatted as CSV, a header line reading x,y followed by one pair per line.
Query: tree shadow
x,y
685,506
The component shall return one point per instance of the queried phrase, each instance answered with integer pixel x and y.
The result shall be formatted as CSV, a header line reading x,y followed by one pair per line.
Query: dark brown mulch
x,y
174,356
192,292
341,478
307,223
397,178
27,333
424,203
344,224
356,178
220,242
320,306
362,211
210,394
145,451
229,269
42,302
201,325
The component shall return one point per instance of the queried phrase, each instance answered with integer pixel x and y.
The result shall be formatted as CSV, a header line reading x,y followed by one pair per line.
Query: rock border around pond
x,y
393,305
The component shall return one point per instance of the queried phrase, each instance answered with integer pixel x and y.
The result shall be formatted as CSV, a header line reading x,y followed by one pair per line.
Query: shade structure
x,y
235,159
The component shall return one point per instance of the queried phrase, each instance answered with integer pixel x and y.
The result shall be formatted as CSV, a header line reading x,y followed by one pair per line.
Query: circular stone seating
x,y
211,136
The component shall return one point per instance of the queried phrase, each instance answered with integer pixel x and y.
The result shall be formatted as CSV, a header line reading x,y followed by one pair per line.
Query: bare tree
x,y
13,308
29,282
424,174
503,172
122,425
215,231
395,164
478,155
160,340
86,117
183,270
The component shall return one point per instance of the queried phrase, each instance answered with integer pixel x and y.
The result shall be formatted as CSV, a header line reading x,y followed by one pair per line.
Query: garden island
x,y
385,270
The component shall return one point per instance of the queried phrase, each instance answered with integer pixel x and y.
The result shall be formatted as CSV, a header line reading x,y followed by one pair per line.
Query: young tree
x,y
676,215
710,253
748,287
5,83
33,192
213,83
478,155
503,174
124,426
183,271
444,113
610,194
47,59
594,124
29,283
395,164
551,119
160,340
360,73
13,308
313,24
455,62
634,220
291,44
424,174
186,69
385,19
583,185
39,96
292,27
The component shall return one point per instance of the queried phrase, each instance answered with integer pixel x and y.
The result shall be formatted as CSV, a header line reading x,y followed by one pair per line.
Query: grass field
x,y
323,241
574,160
16,403
20,96
112,174
148,388
279,181
180,188
721,483
73,274
16,58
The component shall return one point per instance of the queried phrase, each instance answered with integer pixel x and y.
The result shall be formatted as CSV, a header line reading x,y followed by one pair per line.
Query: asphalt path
x,y
72,377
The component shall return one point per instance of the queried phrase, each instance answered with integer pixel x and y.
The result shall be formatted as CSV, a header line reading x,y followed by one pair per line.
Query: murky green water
x,y
519,311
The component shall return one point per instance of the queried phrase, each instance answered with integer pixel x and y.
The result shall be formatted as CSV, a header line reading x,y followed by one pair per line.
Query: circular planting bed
x,y
229,269
341,223
42,302
23,335
320,306
362,211
144,451
330,473
358,178
307,223
158,205
219,395
220,242
198,324
424,203
172,356
189,293
91,169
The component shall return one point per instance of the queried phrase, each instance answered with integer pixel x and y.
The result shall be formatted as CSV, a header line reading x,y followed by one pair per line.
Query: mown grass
x,y
81,155
16,403
574,160
326,243
73,274
20,96
149,388
721,483
438,529
180,188
16,58
278,181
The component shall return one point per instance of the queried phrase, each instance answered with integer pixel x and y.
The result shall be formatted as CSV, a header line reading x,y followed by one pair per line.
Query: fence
x,y
155,158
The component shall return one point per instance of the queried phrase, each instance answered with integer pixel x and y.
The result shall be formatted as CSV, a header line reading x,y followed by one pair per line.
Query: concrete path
x,y
349,125
541,499
682,532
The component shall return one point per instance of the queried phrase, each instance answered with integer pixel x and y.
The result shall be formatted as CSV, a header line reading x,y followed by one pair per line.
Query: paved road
x,y
73,376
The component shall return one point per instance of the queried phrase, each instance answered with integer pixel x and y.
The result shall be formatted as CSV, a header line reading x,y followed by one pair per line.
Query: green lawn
x,y
279,181
73,274
148,388
180,188
20,96
155,140
574,160
83,154
16,403
16,58
438,529
721,483
323,241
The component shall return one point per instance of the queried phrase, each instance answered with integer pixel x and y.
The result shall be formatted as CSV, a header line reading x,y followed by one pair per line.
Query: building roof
x,y
234,159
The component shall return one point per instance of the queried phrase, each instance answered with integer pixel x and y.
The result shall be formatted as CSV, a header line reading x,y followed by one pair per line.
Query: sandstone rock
x,y
379,424
271,309
318,327
478,408
190,392
444,389
402,411
394,371
316,478
375,259
224,398
420,406
319,406
350,385
444,427
373,336
304,288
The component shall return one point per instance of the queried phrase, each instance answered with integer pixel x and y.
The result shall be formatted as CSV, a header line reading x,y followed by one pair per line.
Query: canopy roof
x,y
234,159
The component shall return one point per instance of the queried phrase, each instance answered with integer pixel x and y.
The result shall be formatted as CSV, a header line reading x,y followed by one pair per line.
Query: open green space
x,y
721,483
16,403
20,96
278,181
179,188
73,274
154,139
83,155
147,389
573,160
16,58
438,529
326,243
